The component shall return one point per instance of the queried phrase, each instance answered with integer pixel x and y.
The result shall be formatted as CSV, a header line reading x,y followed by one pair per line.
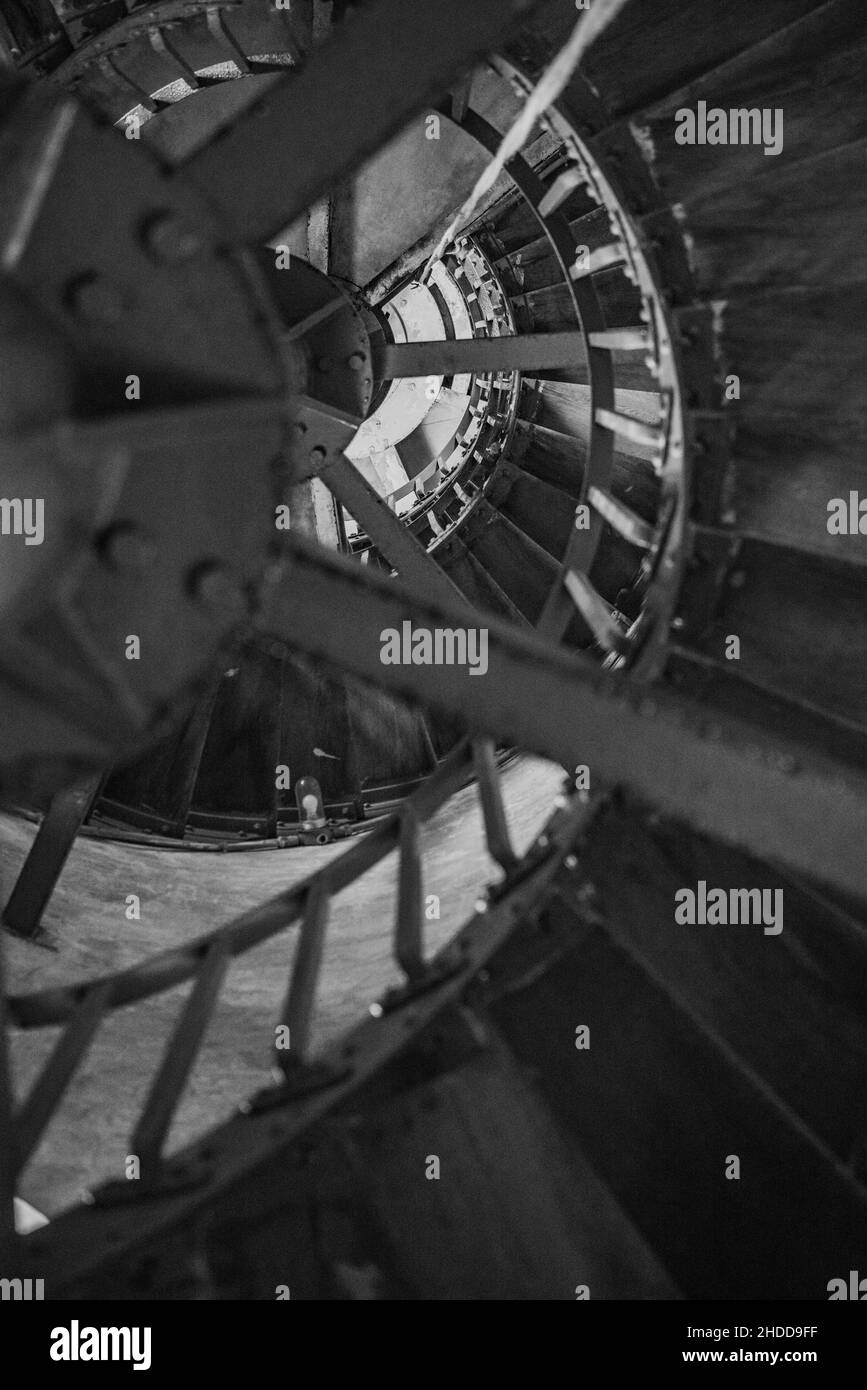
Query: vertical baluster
x,y
409,945
297,1011
493,810
168,1085
8,1158
48,854
50,1087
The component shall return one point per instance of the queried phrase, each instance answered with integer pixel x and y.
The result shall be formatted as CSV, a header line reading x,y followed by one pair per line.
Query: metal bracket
x,y
435,976
305,1079
171,1179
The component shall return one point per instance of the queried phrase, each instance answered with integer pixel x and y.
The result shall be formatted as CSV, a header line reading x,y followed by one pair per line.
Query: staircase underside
x,y
561,1085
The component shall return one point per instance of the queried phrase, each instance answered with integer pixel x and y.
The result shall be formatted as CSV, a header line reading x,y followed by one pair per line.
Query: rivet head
x,y
170,239
357,361
125,546
318,456
219,590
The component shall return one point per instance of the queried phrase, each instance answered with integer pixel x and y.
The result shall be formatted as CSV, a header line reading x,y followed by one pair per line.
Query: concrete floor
x,y
184,894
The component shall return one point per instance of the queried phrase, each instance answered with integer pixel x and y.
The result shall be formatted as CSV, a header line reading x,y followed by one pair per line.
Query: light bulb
x,y
311,807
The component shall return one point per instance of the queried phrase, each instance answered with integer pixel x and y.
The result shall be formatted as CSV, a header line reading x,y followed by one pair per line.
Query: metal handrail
x,y
57,1004
83,1008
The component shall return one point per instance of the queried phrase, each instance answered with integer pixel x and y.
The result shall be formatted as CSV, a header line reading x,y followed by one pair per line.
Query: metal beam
x,y
493,810
170,1081
748,786
47,1092
111,438
48,854
525,352
297,1011
190,749
388,533
359,88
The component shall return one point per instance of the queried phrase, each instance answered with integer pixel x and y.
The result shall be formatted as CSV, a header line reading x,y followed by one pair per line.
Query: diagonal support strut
x,y
525,352
316,126
758,791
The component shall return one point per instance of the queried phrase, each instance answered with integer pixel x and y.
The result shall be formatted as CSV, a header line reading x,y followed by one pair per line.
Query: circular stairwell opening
x,y
553,491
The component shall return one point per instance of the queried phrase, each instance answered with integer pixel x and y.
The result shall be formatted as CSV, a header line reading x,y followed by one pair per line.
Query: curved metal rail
x,y
80,1009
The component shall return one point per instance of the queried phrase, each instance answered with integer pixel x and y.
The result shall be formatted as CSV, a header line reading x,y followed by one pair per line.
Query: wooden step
x,y
791,1005
636,67
558,459
544,513
811,71
721,688
516,564
126,76
802,359
800,621
659,1106
474,581
550,309
517,1212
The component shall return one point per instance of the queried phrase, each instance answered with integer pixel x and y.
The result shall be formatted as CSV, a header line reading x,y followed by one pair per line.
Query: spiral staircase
x,y
605,424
